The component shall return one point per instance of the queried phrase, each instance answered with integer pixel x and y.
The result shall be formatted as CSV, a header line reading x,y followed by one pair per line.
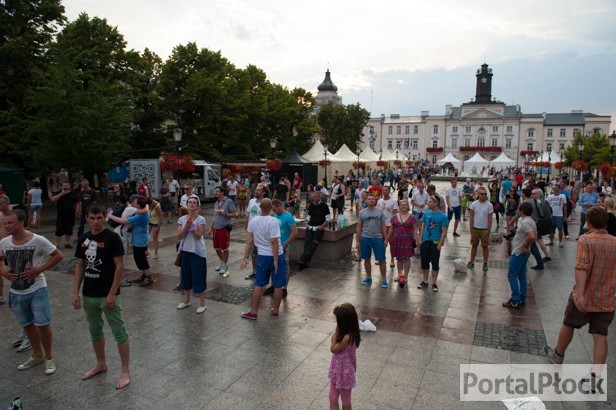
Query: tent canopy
x,y
552,157
368,155
294,157
502,161
476,163
317,153
345,154
449,158
391,155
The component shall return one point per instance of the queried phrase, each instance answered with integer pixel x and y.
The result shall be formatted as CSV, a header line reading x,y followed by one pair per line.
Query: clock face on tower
x,y
484,80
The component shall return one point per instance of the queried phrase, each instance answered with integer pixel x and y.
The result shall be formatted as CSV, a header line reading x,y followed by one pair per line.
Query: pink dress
x,y
403,239
342,369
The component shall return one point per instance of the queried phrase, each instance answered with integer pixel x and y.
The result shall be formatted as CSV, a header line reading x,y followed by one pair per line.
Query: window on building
x,y
407,143
495,142
576,131
548,146
435,129
415,129
407,129
434,158
434,144
467,129
563,132
509,128
531,133
454,129
495,128
550,132
561,146
454,143
508,143
390,144
467,142
390,129
414,157
415,144
481,142
398,144
530,146
399,129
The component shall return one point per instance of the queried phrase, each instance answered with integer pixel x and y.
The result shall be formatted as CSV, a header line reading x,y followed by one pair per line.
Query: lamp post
x,y
177,137
580,150
325,155
273,152
613,146
541,167
549,163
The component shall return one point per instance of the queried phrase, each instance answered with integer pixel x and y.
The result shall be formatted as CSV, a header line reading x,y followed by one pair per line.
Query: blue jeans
x,y
534,249
517,277
582,222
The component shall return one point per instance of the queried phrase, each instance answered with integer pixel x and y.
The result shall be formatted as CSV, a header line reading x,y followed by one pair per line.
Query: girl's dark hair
x,y
348,323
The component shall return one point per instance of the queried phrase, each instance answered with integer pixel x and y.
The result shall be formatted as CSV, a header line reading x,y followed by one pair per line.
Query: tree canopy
x,y
342,124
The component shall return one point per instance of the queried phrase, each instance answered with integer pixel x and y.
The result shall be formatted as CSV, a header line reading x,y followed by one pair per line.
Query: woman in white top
x,y
358,198
35,203
193,272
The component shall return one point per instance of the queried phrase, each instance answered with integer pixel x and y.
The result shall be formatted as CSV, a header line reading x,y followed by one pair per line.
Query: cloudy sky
x,y
398,57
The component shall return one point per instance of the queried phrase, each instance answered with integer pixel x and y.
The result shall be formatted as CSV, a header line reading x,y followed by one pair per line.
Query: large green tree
x,y
596,149
26,29
83,104
342,124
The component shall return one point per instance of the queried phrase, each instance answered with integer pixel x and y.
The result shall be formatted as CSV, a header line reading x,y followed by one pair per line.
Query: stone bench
x,y
335,244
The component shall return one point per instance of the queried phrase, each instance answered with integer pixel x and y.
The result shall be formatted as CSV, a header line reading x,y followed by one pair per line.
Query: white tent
x,y
368,155
502,161
475,164
391,155
317,153
345,154
552,157
449,158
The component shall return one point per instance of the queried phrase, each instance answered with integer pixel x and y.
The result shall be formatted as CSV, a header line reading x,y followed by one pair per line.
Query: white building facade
x,y
482,125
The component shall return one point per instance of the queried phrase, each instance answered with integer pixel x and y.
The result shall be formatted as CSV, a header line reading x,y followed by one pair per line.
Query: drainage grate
x,y
230,294
510,338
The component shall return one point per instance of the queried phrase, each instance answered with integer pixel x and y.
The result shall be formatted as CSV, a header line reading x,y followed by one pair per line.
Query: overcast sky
x,y
399,57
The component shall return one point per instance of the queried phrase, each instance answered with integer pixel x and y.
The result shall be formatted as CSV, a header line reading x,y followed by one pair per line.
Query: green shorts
x,y
95,309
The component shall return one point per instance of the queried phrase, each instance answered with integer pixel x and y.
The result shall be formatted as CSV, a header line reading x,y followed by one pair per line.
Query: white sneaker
x,y
24,346
220,265
183,305
223,268
50,366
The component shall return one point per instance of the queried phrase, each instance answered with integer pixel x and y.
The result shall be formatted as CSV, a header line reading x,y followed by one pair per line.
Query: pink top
x,y
342,368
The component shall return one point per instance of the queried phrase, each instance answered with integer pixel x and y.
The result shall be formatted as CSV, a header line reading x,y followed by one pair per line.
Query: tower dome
x,y
327,84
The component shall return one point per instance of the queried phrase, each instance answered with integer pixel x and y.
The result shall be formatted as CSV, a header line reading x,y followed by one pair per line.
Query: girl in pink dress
x,y
344,342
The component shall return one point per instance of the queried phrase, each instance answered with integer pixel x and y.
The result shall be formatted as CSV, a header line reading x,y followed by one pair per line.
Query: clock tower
x,y
484,85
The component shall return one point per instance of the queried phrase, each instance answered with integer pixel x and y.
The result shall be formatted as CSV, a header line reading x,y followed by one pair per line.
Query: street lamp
x,y
549,163
580,150
325,154
541,167
177,135
273,147
613,146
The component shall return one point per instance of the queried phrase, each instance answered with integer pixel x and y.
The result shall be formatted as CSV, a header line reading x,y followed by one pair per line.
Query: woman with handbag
x,y
403,226
191,228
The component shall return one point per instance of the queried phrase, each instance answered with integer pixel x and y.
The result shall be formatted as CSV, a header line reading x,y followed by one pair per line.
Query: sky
x,y
396,57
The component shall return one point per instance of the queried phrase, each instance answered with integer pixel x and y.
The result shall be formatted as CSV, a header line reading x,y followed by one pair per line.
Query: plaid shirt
x,y
596,254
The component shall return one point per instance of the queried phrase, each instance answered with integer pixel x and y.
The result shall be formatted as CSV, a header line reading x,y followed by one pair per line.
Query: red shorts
x,y
222,239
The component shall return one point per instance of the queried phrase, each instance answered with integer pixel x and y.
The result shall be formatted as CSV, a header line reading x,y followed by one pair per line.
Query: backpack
x,y
117,212
545,226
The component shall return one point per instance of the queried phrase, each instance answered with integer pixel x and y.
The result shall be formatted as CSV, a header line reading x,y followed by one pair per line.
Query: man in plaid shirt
x,y
592,299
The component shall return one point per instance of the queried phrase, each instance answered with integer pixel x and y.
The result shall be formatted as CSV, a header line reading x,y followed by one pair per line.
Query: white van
x,y
206,178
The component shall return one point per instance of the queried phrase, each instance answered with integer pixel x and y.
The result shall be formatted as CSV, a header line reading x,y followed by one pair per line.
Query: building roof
x,y
395,118
573,118
327,84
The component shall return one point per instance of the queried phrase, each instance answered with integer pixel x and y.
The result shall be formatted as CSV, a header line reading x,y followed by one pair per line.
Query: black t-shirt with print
x,y
66,204
98,253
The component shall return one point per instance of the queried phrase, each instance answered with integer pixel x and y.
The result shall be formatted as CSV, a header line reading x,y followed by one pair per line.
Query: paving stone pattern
x,y
514,339
230,294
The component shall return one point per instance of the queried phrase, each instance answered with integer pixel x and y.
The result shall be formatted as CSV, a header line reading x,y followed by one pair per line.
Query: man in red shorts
x,y
220,230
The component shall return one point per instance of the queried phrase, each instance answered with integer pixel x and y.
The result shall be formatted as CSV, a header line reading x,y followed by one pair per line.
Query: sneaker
x,y
567,237
457,235
560,245
537,267
201,309
249,315
147,281
274,313
269,291
24,346
384,283
511,304
552,355
470,265
31,362
547,259
177,288
124,283
19,340
485,267
223,268
434,288
422,285
50,366
183,305
16,404
251,276
140,280
284,293
367,281
219,267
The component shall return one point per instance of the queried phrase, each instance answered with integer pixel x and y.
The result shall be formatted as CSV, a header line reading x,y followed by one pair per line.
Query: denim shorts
x,y
31,308
265,270
558,222
35,207
372,244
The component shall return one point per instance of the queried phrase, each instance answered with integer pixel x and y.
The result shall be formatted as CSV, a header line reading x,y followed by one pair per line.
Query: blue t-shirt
x,y
506,186
286,221
434,222
566,193
140,236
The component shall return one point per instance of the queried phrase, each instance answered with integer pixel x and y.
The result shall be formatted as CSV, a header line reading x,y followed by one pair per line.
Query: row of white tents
x,y
344,158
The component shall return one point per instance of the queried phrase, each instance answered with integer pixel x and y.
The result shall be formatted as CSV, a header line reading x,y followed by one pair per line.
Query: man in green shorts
x,y
100,264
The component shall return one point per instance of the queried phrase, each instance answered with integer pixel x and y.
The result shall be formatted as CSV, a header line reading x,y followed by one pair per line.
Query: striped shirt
x,y
596,255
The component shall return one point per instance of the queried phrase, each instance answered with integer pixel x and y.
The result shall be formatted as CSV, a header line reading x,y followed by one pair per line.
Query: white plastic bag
x,y
367,326
459,266
342,222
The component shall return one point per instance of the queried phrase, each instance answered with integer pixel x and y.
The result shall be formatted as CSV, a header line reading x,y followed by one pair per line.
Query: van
x,y
206,178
